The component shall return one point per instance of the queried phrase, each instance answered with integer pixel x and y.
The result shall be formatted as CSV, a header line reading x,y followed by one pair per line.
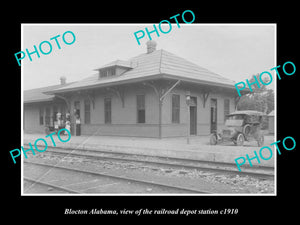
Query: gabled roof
x,y
38,95
158,64
121,63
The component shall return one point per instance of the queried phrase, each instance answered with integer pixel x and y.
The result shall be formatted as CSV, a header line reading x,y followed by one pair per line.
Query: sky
x,y
234,51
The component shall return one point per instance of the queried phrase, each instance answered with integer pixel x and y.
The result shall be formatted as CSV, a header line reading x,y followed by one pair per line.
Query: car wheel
x,y
213,139
240,139
260,140
247,130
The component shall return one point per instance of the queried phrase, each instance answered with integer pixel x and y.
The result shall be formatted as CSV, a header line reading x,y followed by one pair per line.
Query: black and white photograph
x,y
149,110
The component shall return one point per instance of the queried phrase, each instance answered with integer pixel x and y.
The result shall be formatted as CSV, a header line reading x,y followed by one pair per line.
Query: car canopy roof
x,y
248,112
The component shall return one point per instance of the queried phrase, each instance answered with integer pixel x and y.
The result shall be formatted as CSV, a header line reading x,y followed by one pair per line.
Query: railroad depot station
x,y
155,94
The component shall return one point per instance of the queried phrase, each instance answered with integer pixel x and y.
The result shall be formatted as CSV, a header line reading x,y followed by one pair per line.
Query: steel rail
x,y
120,177
50,185
170,164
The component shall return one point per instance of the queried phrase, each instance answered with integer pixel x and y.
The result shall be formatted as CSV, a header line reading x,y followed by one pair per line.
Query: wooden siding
x,y
124,118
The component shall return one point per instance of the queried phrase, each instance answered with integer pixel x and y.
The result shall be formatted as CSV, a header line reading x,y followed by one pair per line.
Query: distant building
x,y
145,96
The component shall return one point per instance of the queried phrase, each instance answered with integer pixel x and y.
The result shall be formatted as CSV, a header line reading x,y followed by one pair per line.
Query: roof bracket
x,y
155,88
169,90
120,93
160,92
67,101
204,97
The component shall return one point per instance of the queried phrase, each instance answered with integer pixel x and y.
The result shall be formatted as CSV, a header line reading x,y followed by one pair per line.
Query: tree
x,y
260,99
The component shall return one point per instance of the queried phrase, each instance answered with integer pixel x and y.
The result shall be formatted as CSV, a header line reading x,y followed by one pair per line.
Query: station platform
x,y
198,148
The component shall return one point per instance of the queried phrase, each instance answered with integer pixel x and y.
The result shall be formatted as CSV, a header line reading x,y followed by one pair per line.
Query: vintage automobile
x,y
239,127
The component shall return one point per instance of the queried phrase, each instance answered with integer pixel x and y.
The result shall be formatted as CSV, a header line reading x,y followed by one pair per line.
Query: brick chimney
x,y
63,80
151,46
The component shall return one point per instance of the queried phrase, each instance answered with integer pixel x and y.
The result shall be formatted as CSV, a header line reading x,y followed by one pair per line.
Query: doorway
x,y
77,118
193,116
213,115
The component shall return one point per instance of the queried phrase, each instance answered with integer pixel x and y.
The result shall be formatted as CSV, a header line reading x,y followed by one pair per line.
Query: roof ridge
x,y
47,87
213,74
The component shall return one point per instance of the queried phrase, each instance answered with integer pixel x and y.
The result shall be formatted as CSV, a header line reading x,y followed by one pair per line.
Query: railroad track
x,y
158,161
180,189
47,184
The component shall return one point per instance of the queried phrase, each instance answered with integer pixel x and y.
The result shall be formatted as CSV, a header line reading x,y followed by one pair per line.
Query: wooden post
x,y
161,94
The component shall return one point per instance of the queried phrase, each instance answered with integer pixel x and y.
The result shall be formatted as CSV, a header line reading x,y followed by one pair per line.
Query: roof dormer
x,y
114,68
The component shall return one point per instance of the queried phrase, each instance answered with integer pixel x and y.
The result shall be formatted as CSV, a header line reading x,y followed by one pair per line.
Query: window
x,y
55,111
140,101
103,73
87,112
108,72
77,108
41,116
47,117
175,108
63,112
111,71
107,110
226,108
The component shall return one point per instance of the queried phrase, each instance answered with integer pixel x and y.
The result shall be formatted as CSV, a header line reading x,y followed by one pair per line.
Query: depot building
x,y
155,94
